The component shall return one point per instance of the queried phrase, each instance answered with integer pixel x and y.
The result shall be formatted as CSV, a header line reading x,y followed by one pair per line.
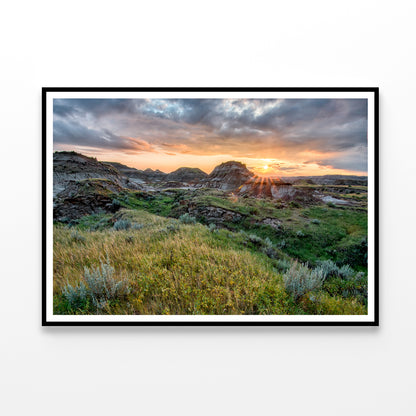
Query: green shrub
x,y
102,286
355,286
212,227
187,219
98,286
300,234
270,252
115,205
328,268
256,240
283,265
316,221
173,227
299,279
267,243
122,225
346,272
355,253
76,296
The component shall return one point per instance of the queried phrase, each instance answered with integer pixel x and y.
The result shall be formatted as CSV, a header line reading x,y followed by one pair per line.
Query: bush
x,y
356,253
115,205
212,227
354,286
122,225
269,249
172,227
346,272
102,287
315,221
300,234
256,240
283,265
76,296
187,219
98,286
328,268
270,252
299,280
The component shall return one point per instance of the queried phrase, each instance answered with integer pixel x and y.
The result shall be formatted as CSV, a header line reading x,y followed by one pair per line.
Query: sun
x,y
265,167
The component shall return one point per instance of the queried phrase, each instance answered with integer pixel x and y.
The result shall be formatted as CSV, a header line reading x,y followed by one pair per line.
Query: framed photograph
x,y
210,206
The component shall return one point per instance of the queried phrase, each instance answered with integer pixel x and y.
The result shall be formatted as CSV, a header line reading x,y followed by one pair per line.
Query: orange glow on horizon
x,y
262,167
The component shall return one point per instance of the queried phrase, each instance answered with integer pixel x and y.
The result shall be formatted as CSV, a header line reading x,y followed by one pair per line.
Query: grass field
x,y
142,260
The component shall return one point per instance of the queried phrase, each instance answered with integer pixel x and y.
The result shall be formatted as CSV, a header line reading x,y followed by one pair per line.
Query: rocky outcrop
x,y
228,176
154,175
215,215
132,174
186,175
272,222
86,197
136,176
72,166
259,187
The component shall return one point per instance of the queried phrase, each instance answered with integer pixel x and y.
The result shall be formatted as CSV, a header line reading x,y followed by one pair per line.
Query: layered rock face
x,y
139,176
187,175
71,166
83,186
228,176
235,177
85,197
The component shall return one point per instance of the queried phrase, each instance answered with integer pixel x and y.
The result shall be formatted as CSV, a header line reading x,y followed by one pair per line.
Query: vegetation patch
x,y
166,266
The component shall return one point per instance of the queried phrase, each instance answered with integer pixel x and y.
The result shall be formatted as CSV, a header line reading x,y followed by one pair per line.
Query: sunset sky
x,y
290,137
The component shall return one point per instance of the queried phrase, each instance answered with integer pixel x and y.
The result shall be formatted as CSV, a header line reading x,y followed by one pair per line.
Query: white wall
x,y
204,371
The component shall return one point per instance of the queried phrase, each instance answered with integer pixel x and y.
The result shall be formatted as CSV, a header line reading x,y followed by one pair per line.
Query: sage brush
x,y
98,286
253,238
76,296
122,225
299,279
328,268
102,287
187,219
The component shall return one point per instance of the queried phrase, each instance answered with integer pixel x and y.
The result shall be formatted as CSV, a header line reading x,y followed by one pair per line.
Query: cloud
x,y
268,128
74,133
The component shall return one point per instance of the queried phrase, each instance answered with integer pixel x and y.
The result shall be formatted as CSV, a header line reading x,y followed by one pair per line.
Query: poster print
x,y
210,206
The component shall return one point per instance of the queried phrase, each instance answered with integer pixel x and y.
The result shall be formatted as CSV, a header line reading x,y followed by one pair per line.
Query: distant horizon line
x,y
274,176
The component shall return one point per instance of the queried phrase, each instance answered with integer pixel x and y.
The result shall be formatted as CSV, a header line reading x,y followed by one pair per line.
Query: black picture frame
x,y
46,167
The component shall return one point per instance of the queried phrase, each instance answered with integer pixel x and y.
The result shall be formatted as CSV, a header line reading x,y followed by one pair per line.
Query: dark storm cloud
x,y
77,134
215,126
95,107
